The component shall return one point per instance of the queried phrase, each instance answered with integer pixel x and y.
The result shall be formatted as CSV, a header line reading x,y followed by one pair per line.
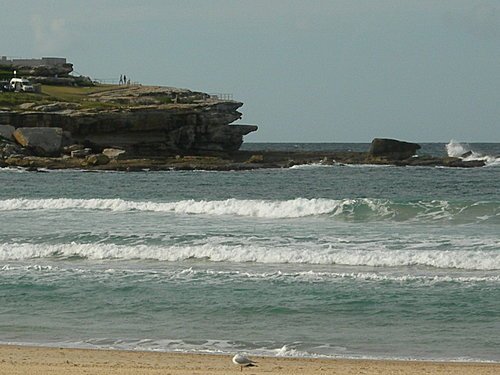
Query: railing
x,y
221,96
109,81
114,81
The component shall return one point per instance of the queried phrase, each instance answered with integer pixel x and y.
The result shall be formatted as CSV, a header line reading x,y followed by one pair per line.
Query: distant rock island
x,y
72,122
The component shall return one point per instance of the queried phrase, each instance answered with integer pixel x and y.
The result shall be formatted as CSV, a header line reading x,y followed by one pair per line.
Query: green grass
x,y
14,99
98,105
50,94
80,95
164,99
74,94
6,73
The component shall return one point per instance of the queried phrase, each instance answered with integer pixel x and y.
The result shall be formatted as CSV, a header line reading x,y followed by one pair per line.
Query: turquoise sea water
x,y
338,261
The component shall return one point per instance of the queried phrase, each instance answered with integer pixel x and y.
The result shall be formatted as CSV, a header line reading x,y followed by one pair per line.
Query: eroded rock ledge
x,y
143,121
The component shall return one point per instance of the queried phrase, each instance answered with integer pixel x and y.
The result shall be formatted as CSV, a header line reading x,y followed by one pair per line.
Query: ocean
x,y
340,261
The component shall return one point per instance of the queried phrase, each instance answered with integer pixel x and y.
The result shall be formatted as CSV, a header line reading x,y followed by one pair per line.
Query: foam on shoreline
x,y
63,361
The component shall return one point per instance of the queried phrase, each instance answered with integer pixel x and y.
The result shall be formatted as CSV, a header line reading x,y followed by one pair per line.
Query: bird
x,y
243,361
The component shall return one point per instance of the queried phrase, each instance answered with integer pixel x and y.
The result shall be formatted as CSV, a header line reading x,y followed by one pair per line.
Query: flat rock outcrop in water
x,y
393,148
240,160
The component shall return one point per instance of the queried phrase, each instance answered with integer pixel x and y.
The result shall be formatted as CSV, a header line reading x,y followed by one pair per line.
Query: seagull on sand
x,y
243,361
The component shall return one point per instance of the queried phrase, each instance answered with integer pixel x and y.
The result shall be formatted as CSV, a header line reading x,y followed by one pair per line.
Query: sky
x,y
306,71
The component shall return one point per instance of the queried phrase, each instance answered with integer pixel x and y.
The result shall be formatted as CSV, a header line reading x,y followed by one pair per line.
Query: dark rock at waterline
x,y
393,149
241,160
8,146
96,159
466,154
430,161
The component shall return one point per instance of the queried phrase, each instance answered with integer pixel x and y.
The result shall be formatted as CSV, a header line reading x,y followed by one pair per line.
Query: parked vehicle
x,y
21,84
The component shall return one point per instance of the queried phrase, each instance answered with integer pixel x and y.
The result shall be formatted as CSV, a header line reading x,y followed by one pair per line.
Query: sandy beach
x,y
39,360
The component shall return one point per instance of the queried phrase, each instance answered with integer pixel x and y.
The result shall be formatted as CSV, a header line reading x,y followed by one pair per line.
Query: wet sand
x,y
39,360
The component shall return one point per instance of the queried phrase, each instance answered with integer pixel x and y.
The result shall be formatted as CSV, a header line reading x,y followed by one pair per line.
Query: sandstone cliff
x,y
147,121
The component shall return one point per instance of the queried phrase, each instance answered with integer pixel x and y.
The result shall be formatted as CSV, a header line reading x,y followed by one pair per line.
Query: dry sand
x,y
54,361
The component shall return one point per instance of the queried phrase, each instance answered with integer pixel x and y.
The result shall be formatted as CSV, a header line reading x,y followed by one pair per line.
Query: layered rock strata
x,y
144,121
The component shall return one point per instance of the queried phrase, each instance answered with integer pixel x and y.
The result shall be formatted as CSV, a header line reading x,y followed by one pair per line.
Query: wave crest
x,y
326,255
299,207
353,209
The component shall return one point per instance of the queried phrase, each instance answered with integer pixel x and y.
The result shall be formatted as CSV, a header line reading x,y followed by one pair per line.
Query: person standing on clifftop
x,y
124,79
121,80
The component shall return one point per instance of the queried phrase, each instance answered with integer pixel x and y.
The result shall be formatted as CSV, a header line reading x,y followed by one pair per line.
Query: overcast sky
x,y
307,71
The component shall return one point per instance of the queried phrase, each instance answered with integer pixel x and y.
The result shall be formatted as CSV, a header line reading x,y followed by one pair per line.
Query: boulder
x,y
74,147
42,141
97,159
8,149
81,153
393,149
257,158
466,154
114,153
26,106
6,132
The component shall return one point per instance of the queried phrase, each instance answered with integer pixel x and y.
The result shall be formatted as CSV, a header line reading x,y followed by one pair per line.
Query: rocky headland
x,y
123,127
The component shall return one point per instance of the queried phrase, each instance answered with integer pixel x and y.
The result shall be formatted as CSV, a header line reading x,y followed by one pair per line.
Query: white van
x,y
21,84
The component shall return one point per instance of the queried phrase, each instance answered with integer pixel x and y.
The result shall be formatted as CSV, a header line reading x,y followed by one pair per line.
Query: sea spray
x,y
456,149
464,151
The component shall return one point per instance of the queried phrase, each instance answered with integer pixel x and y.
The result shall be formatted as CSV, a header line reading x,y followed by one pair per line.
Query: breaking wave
x,y
481,259
353,209
254,208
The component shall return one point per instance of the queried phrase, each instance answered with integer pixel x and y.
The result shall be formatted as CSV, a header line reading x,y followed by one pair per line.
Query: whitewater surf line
x,y
467,260
357,208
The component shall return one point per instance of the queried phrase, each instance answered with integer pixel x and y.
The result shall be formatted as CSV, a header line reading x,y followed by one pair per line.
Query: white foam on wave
x,y
311,165
287,351
315,276
299,207
13,169
229,347
357,208
206,346
319,254
230,275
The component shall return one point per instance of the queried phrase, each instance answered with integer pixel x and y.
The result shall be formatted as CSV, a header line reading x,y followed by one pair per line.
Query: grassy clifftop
x,y
75,94
106,97
50,94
